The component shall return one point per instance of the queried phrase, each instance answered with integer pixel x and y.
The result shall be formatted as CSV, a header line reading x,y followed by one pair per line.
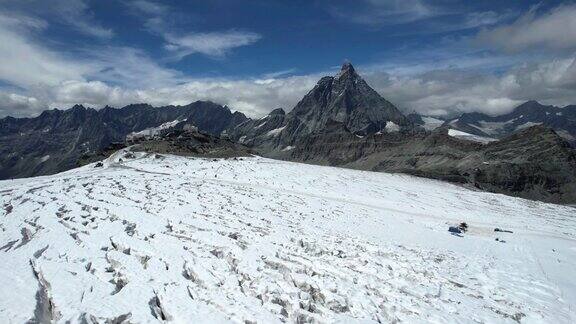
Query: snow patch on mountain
x,y
391,127
492,128
431,123
470,137
275,131
526,125
152,131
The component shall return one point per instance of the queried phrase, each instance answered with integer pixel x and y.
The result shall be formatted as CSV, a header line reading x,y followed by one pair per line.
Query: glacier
x,y
149,238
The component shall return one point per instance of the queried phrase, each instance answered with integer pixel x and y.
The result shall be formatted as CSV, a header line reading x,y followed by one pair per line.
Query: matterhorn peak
x,y
347,70
347,66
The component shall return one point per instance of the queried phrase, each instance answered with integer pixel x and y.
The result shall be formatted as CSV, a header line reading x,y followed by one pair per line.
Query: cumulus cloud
x,y
452,91
97,76
19,106
253,97
555,30
438,92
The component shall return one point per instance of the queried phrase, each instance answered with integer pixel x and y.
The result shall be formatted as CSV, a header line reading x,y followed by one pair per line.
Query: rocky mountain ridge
x,y
531,113
342,121
56,139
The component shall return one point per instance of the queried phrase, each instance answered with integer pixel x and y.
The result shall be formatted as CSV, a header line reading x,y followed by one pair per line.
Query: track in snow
x,y
164,238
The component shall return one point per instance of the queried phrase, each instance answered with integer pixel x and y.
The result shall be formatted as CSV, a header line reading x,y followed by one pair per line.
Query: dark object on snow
x,y
501,241
99,165
502,230
455,229
461,228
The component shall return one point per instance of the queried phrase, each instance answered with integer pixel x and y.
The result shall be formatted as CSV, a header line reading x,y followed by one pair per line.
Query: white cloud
x,y
446,91
249,96
149,7
77,14
18,105
26,63
131,68
383,12
253,97
215,44
162,21
432,17
455,90
99,75
74,13
555,30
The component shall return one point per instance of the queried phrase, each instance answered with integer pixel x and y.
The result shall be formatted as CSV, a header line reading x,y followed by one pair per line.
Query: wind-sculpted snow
x,y
149,238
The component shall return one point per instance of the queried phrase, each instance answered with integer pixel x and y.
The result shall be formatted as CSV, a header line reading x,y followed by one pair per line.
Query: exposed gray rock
x,y
262,133
347,99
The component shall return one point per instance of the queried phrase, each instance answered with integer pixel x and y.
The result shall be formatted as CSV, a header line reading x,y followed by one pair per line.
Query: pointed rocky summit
x,y
347,99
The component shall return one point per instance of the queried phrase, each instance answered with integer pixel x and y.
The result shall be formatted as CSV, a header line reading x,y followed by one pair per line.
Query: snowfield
x,y
150,238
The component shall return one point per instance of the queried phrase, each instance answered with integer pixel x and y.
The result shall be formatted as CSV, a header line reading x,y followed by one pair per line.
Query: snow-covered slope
x,y
152,131
154,238
470,137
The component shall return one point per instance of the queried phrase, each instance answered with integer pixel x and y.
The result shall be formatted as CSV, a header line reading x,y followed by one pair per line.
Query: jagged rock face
x,y
345,98
261,133
534,163
562,120
55,140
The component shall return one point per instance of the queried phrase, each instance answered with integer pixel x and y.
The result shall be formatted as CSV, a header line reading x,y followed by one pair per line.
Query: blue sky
x,y
434,57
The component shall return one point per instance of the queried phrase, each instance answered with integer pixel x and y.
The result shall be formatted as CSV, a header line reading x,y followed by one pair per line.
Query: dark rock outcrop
x,y
261,133
188,141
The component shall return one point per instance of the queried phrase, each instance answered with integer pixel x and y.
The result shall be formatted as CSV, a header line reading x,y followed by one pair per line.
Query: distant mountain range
x,y
531,113
342,121
56,139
